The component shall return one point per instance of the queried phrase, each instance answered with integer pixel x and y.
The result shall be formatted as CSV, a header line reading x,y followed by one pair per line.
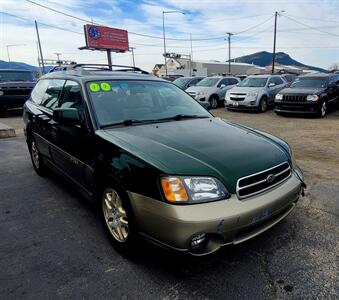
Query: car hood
x,y
245,90
204,147
197,89
17,84
301,91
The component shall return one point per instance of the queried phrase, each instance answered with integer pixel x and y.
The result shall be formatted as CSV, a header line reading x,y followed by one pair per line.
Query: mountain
x,y
264,59
15,65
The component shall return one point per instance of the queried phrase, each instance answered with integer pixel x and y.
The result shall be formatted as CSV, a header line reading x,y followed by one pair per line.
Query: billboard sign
x,y
106,38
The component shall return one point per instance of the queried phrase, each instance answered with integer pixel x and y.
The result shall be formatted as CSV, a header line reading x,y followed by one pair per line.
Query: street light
x,y
163,29
229,51
14,45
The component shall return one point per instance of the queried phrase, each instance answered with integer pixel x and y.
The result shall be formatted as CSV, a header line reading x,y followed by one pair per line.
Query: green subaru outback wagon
x,y
157,163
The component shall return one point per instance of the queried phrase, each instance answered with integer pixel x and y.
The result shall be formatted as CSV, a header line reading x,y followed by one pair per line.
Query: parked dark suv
x,y
313,93
157,163
15,88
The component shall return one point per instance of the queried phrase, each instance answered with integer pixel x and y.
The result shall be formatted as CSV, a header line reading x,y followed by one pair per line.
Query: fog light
x,y
252,103
198,240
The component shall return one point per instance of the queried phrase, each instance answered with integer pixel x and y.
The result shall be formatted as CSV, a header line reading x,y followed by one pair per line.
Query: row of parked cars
x,y
314,93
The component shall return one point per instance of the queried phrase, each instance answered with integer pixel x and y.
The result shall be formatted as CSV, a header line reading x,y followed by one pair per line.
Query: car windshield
x,y
310,82
16,76
181,82
253,82
208,82
127,102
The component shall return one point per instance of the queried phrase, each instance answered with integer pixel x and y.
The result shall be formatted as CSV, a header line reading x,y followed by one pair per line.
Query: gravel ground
x,y
52,244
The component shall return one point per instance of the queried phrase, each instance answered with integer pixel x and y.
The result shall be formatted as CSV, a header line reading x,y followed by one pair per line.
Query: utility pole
x,y
229,52
163,30
274,40
132,49
109,59
40,50
191,57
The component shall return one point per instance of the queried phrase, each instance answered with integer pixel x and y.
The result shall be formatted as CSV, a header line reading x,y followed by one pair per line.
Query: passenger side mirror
x,y
272,84
69,116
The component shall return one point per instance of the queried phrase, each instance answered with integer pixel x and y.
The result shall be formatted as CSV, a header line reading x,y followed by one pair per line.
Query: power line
x,y
140,34
311,27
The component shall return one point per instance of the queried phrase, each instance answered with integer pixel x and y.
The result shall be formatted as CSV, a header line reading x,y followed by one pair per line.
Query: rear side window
x,y
278,80
39,91
233,81
53,93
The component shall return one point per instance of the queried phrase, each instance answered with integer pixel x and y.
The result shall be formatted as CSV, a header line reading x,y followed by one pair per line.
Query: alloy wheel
x,y
323,109
263,105
115,215
214,103
35,155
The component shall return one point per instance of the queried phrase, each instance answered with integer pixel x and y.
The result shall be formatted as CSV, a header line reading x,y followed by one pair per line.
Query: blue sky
x,y
307,30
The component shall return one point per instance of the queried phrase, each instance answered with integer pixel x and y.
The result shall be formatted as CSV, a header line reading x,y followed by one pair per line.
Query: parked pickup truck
x,y
15,88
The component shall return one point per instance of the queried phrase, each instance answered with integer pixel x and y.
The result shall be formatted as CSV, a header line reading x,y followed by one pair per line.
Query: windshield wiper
x,y
128,122
181,117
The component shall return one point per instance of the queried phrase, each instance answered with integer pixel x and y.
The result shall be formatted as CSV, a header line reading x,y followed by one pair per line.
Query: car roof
x,y
263,75
85,75
316,75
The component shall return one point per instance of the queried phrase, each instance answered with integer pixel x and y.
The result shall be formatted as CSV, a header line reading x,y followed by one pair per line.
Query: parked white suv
x,y
255,92
212,90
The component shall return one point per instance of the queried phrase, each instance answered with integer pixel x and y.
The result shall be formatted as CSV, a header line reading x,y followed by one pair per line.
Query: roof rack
x,y
108,67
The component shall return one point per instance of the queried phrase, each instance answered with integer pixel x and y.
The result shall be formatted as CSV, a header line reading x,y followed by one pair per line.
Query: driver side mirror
x,y
222,86
272,84
69,116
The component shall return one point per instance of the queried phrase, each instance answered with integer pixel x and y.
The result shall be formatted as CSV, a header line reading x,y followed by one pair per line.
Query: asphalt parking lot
x,y
52,244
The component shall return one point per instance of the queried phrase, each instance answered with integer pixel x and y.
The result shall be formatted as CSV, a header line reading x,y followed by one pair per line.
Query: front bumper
x,y
297,107
224,222
240,105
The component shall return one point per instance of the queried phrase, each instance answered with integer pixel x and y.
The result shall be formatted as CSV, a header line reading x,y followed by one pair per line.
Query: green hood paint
x,y
200,147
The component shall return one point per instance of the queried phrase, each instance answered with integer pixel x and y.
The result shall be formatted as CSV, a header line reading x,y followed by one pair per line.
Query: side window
x,y
278,80
223,81
71,97
39,91
52,94
271,81
233,81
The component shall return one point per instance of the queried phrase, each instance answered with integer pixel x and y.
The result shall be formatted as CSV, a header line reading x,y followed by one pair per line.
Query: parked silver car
x,y
212,89
255,92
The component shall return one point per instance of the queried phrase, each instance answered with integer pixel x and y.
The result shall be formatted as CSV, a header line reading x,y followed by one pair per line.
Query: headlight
x,y
193,189
252,94
278,97
312,98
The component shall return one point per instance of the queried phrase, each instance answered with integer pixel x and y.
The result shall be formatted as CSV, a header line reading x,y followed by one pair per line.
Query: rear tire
x,y
214,101
37,161
263,104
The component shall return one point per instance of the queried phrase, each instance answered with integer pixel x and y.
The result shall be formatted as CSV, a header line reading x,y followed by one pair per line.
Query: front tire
x,y
3,111
118,219
323,109
263,105
37,161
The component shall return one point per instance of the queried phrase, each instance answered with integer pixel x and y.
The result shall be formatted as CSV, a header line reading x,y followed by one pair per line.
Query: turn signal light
x,y
174,189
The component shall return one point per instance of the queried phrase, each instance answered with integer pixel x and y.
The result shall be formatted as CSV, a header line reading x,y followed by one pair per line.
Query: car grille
x,y
237,97
294,98
262,181
16,91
